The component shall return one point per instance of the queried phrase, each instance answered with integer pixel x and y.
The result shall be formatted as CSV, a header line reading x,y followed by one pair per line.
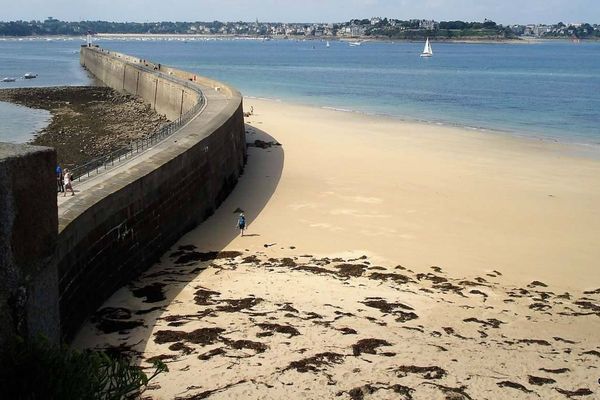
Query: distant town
x,y
375,28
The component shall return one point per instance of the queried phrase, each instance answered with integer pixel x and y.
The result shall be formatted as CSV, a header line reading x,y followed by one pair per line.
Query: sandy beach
x,y
384,259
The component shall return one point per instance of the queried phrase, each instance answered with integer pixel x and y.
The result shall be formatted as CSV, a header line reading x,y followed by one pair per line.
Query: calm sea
x,y
549,89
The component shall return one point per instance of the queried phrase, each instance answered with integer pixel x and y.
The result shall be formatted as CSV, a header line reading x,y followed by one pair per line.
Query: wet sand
x,y
383,259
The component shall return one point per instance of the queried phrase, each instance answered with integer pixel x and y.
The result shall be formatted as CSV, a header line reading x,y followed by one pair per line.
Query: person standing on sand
x,y
241,224
68,185
60,179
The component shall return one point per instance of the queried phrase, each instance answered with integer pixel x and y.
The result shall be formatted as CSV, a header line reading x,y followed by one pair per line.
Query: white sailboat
x,y
427,51
327,45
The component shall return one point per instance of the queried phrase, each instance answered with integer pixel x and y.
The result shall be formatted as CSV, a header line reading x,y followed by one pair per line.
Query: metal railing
x,y
102,163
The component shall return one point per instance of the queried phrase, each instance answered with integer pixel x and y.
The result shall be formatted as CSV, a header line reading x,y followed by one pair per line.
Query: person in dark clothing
x,y
241,224
60,179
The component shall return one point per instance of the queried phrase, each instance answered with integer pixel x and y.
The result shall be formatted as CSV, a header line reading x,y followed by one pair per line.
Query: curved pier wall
x,y
171,97
111,232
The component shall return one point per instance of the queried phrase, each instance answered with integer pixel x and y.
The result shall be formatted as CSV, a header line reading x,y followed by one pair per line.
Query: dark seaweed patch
x,y
539,381
237,305
490,322
285,329
162,357
588,305
368,346
559,339
195,256
206,394
433,372
574,393
382,276
592,353
288,307
153,293
203,336
110,320
514,385
210,354
479,292
555,371
540,307
597,291
359,393
202,297
432,277
385,307
535,341
288,262
451,392
180,346
314,363
350,270
537,283
247,344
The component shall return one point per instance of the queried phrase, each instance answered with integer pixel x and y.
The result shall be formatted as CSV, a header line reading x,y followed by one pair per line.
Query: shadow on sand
x,y
125,322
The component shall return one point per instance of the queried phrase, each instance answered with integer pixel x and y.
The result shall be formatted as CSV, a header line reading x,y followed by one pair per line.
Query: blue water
x,y
549,89
55,62
18,123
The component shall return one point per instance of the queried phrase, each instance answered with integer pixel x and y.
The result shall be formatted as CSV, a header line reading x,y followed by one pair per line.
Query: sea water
x,y
56,63
18,123
549,89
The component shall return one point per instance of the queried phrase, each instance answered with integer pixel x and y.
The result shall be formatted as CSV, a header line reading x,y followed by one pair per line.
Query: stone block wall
x,y
28,236
169,95
133,215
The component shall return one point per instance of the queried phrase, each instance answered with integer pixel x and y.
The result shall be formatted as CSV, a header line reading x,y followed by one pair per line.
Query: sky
x,y
501,11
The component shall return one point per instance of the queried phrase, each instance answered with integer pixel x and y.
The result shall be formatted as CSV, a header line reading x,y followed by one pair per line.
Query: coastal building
x,y
428,24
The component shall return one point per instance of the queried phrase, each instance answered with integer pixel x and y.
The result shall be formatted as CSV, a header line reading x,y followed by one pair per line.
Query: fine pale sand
x,y
383,260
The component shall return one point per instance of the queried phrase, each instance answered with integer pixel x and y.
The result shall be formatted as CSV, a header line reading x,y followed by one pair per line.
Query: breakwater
x,y
123,220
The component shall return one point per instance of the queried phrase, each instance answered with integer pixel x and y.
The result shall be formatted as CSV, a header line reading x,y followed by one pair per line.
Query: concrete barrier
x,y
123,221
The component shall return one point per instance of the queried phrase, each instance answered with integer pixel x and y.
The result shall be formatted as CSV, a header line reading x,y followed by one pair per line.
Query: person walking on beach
x,y
241,224
60,179
68,183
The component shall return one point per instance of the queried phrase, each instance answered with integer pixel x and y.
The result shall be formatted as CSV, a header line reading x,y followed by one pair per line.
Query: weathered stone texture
x,y
28,234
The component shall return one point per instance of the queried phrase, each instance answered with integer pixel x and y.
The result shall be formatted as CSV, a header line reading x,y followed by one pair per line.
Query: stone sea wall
x,y
115,229
167,93
28,236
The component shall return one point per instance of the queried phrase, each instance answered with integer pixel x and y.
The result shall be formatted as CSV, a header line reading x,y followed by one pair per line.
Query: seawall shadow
x,y
125,322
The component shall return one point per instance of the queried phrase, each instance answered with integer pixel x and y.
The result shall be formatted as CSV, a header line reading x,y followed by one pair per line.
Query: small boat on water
x,y
29,76
427,51
328,45
354,44
7,79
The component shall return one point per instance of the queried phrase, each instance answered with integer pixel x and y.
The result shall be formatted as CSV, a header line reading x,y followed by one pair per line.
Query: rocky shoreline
x,y
87,121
